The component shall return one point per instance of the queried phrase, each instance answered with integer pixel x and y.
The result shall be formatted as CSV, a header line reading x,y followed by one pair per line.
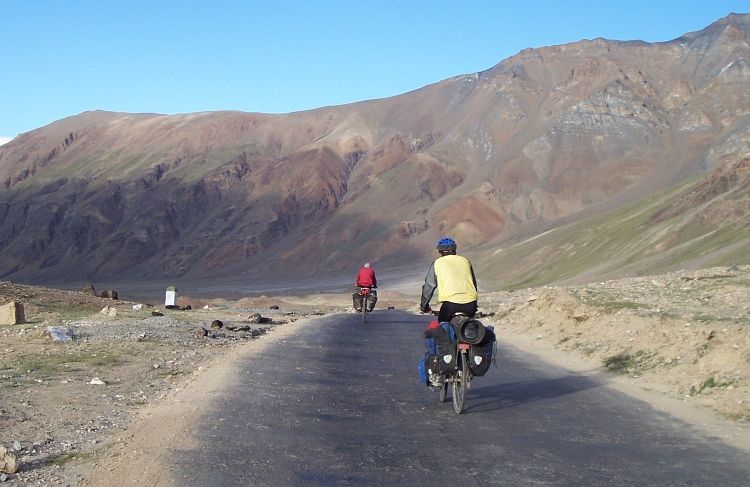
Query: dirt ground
x,y
103,408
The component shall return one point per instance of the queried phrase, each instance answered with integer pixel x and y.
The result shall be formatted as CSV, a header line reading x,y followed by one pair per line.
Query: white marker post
x,y
171,298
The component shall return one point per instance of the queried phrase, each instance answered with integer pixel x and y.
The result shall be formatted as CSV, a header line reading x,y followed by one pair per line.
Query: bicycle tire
x,y
364,308
459,383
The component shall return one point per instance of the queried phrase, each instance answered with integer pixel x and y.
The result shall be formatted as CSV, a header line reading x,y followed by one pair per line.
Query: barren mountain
x,y
618,155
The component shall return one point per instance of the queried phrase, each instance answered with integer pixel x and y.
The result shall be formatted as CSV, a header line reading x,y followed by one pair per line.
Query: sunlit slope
x,y
701,223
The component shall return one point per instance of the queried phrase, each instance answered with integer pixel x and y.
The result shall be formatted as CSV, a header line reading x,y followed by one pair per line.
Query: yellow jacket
x,y
454,279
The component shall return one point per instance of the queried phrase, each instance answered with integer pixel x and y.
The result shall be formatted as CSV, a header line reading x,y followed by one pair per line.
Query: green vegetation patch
x,y
52,363
615,306
625,363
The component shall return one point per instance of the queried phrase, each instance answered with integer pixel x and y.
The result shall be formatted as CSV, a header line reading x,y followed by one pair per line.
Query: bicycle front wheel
x,y
459,383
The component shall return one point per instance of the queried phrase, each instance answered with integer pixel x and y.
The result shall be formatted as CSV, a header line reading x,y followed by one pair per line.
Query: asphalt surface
x,y
342,404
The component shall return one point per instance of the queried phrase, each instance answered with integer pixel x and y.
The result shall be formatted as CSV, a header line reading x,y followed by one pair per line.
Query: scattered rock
x,y
109,311
8,462
137,307
96,381
580,314
57,334
254,318
89,289
217,324
201,332
108,294
239,328
274,307
157,313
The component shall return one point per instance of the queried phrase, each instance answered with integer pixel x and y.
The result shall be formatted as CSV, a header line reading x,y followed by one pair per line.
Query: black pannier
x,y
372,298
357,301
441,351
482,354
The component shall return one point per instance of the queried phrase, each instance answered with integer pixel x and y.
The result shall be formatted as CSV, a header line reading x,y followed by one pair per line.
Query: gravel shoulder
x,y
679,341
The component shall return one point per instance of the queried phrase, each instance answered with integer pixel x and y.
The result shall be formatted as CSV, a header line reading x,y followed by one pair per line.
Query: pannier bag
x,y
357,301
441,351
482,355
372,298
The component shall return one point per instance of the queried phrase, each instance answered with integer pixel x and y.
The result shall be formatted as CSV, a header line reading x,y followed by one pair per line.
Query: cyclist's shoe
x,y
436,380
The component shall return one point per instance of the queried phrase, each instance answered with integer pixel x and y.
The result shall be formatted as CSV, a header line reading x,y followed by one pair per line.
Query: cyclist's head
x,y
367,265
446,246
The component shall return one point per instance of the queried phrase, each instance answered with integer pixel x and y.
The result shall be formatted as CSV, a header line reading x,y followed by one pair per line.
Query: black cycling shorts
x,y
448,309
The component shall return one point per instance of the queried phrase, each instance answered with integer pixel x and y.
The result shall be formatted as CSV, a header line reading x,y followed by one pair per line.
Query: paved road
x,y
342,404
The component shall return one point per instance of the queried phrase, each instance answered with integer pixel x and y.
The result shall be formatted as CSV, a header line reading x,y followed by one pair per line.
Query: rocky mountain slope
x,y
569,138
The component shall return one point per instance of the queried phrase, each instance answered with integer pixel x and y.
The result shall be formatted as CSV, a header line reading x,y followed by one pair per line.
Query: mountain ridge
x,y
549,135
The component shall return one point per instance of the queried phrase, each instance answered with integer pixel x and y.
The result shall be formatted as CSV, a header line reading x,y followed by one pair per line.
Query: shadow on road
x,y
508,395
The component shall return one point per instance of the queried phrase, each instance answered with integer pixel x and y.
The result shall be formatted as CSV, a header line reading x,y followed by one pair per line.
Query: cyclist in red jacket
x,y
365,278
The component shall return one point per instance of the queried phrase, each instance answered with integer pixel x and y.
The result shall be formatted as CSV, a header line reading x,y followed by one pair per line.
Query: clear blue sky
x,y
61,58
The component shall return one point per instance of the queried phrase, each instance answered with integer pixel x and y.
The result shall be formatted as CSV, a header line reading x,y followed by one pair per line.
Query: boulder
x,y
217,324
109,311
12,313
89,289
8,462
109,294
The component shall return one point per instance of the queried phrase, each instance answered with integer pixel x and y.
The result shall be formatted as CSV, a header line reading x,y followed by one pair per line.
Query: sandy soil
x,y
679,342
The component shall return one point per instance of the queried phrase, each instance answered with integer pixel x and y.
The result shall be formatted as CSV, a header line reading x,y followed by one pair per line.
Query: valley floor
x,y
679,341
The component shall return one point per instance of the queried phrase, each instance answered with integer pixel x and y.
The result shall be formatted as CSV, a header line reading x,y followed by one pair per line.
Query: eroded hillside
x,y
547,137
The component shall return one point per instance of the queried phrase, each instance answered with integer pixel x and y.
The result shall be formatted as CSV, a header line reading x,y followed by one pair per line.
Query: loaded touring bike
x,y
459,378
368,298
457,352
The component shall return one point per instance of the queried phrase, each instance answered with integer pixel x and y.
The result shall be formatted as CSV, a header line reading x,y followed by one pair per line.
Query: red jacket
x,y
366,278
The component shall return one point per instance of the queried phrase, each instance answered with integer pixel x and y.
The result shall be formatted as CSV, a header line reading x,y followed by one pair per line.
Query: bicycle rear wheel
x,y
459,383
364,308
444,390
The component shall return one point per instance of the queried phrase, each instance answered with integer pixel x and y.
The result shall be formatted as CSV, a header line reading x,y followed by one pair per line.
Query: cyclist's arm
x,y
473,278
428,289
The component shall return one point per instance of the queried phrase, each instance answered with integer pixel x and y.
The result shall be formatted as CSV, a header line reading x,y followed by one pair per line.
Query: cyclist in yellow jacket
x,y
453,277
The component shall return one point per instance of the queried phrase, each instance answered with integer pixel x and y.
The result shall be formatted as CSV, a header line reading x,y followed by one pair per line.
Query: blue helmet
x,y
446,245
